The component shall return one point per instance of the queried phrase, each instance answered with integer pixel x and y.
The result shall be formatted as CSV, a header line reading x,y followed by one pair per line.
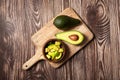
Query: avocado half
x,y
65,36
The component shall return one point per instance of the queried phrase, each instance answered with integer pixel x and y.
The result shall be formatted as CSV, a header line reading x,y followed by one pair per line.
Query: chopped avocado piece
x,y
46,50
72,36
52,50
59,56
51,46
48,56
52,54
56,53
57,43
65,22
60,50
55,48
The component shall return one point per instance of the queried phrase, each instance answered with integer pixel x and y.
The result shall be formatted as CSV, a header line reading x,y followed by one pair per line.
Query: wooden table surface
x,y
99,60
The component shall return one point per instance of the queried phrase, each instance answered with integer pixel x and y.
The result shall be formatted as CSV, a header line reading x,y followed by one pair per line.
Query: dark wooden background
x,y
20,19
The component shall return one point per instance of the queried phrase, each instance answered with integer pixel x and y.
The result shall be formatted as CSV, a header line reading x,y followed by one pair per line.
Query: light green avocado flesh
x,y
65,36
59,56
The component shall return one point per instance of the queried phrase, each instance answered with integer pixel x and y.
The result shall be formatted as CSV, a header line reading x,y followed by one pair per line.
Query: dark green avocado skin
x,y
65,22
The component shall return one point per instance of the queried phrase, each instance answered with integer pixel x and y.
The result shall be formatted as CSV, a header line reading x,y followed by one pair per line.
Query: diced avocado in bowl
x,y
54,50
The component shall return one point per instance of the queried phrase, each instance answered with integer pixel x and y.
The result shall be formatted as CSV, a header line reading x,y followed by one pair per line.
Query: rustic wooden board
x,y
49,31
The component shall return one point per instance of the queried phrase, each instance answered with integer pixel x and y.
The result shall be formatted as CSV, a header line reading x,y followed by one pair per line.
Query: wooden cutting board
x,y
49,31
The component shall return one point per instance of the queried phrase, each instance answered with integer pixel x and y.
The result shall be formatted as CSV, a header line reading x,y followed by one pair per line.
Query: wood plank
x,y
114,38
98,19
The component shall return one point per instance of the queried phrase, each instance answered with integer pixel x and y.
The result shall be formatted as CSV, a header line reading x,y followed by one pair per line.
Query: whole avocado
x,y
65,22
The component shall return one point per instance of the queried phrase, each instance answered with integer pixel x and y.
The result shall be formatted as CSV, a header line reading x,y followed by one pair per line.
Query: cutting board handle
x,y
32,61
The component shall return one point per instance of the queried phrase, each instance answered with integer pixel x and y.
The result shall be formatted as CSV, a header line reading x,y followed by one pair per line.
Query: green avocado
x,y
72,36
65,22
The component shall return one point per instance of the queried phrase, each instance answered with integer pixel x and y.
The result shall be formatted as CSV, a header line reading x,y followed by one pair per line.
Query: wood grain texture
x,y
20,19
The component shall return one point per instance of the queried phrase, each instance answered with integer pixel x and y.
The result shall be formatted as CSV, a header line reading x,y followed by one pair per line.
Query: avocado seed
x,y
74,37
